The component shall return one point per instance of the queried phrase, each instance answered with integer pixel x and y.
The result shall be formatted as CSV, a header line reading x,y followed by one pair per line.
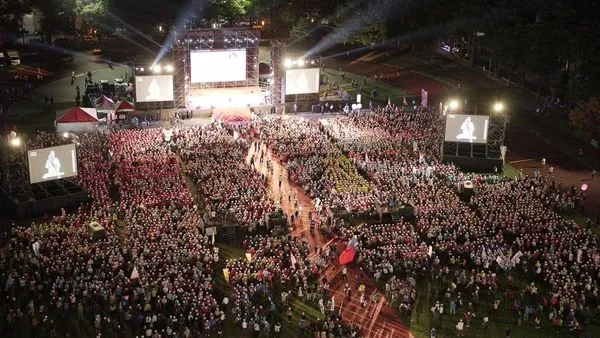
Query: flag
x,y
293,259
226,274
36,248
134,274
424,95
389,101
353,242
347,256
248,257
404,101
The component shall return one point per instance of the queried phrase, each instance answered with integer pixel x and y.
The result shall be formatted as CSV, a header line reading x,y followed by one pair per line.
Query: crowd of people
x,y
153,271
275,271
231,189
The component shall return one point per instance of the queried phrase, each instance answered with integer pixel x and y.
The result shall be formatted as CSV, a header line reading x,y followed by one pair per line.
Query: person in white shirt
x,y
277,329
460,327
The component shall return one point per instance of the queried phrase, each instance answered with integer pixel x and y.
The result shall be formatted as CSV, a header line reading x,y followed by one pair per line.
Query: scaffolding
x,y
211,39
491,150
15,176
278,71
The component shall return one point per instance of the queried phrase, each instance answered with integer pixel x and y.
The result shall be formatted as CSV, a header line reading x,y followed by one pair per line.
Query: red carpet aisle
x,y
379,319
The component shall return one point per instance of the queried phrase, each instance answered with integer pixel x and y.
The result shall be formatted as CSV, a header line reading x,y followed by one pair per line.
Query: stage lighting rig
x,y
499,107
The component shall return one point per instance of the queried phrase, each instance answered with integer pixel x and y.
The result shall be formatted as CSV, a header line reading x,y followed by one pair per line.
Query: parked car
x,y
14,57
3,59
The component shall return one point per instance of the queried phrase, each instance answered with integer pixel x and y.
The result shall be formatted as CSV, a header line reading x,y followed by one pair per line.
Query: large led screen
x,y
47,164
154,88
301,81
467,128
218,66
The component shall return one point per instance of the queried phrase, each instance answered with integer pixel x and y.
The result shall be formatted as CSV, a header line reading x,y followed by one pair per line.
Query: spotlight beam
x,y
129,39
409,37
188,11
358,20
129,26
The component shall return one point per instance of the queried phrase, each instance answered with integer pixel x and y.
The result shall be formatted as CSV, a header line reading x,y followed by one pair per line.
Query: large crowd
x,y
231,189
153,273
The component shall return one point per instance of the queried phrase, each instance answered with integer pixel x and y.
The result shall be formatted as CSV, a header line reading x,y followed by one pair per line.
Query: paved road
x,y
60,88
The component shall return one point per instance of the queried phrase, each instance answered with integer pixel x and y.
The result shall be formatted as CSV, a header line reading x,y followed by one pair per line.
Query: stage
x,y
229,104
236,97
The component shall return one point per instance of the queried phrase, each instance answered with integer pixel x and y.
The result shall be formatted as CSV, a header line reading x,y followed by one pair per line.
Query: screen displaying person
x,y
52,167
153,91
467,130
302,83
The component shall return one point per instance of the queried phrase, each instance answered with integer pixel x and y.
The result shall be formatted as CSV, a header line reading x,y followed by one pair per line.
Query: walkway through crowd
x,y
377,318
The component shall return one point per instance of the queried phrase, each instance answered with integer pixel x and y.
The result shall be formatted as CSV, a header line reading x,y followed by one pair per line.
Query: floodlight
x,y
66,134
169,68
142,69
155,68
15,141
498,107
300,62
453,104
288,63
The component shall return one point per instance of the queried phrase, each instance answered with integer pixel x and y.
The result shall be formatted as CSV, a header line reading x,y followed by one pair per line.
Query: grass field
x,y
384,91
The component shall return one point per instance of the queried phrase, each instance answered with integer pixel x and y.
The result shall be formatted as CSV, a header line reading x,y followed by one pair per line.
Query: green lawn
x,y
432,290
510,171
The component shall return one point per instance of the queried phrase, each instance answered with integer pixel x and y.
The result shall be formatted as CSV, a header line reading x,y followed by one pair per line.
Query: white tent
x,y
77,119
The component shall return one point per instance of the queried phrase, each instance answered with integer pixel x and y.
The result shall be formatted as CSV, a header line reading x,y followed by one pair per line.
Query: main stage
x,y
235,104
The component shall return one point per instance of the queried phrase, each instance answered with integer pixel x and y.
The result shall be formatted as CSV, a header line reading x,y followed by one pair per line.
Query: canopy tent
x,y
104,105
77,119
124,107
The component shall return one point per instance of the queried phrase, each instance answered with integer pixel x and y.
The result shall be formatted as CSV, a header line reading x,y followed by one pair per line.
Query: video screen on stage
x,y
301,81
466,128
218,66
154,88
47,164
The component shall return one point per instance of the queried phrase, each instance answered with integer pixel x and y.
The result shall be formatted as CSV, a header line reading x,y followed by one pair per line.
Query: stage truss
x,y
278,70
211,39
15,176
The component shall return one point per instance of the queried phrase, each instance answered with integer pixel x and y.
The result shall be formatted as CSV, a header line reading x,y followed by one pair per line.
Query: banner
x,y
226,274
36,248
424,95
293,259
134,274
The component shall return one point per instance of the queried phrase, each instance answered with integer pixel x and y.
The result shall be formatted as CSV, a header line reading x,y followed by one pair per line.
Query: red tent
x,y
78,114
77,119
124,107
